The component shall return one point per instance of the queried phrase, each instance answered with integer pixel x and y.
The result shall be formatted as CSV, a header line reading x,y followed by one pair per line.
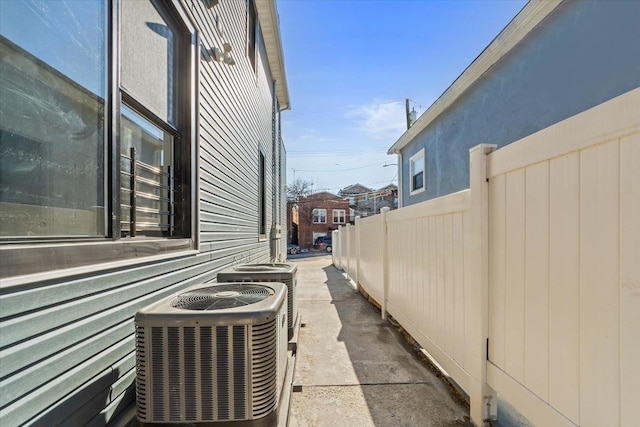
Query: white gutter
x,y
270,25
529,17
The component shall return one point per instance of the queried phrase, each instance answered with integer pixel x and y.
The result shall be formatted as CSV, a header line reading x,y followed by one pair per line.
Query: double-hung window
x,y
319,216
339,216
96,129
416,173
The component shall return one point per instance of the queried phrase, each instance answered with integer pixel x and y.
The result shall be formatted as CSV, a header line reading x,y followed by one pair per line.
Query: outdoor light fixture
x,y
224,54
210,3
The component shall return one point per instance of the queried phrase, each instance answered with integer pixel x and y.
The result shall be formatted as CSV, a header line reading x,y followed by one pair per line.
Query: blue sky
x,y
351,64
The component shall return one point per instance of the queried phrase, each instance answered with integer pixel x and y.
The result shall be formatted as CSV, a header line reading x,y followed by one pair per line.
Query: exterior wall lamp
x,y
224,54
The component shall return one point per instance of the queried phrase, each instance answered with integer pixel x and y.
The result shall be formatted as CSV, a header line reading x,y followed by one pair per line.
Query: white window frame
x,y
419,155
339,212
321,213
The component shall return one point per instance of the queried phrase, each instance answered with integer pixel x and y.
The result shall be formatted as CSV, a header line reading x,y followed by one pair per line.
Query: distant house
x,y
140,153
319,215
553,61
365,201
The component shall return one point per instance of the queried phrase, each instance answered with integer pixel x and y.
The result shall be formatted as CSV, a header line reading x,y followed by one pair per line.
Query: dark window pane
x,y
52,87
262,227
418,181
251,42
148,57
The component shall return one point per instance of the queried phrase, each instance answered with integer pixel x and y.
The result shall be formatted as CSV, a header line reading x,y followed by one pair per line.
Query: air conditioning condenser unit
x,y
213,354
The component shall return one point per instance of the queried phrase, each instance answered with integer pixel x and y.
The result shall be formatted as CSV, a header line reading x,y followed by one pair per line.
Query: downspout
x,y
274,186
276,179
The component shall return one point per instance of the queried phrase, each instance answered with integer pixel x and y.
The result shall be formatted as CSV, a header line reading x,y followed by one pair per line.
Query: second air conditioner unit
x,y
274,272
213,354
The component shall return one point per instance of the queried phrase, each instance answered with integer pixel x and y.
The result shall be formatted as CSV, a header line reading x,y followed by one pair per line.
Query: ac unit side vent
x,y
157,370
208,377
264,367
239,373
222,365
141,373
205,365
174,348
190,374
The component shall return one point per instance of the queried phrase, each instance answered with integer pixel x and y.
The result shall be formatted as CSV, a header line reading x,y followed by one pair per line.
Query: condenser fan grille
x,y
221,296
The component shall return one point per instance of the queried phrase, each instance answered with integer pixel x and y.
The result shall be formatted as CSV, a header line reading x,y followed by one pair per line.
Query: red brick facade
x,y
319,201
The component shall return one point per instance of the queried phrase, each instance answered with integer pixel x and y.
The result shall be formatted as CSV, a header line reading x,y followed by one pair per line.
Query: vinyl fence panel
x,y
564,221
371,238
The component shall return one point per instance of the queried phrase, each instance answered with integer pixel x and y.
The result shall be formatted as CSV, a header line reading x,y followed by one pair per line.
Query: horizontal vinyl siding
x,y
66,345
233,128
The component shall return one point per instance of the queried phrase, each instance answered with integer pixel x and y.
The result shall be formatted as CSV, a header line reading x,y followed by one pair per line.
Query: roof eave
x,y
522,24
269,23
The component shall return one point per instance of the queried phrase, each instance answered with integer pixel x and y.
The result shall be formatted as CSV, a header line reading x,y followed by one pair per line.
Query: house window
x,y
262,215
319,216
94,142
252,29
339,216
417,166
151,130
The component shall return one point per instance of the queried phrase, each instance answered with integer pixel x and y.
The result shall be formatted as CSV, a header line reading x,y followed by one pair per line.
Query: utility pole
x,y
408,114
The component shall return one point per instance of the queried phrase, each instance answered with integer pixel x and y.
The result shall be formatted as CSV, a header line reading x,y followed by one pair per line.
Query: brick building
x,y
319,214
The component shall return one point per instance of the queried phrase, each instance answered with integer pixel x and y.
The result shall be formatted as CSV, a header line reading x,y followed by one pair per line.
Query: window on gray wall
x,y
416,173
151,129
252,29
69,121
262,190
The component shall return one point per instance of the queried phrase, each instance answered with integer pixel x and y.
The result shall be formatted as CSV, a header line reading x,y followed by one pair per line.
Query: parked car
x,y
293,249
323,243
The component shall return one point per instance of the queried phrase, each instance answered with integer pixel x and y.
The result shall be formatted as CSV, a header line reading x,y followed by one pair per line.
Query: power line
x,y
333,153
344,107
338,170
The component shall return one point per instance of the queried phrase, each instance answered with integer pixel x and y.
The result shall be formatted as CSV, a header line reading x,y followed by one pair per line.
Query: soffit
x,y
270,25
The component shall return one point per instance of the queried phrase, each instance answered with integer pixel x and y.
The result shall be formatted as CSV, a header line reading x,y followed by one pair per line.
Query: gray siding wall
x,y
583,54
67,345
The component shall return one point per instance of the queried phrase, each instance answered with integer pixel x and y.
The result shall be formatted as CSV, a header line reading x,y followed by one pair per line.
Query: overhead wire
x,y
344,107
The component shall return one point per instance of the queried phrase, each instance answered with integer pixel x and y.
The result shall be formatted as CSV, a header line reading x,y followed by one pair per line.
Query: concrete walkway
x,y
355,369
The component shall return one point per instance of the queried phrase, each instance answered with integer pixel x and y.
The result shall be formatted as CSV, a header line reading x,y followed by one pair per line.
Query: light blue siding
x,y
583,54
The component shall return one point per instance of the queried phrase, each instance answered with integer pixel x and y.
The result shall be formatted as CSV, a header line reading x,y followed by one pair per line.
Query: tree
x,y
299,187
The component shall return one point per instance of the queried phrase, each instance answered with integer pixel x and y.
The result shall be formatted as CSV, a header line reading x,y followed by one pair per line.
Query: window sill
x,y
64,259
262,238
418,191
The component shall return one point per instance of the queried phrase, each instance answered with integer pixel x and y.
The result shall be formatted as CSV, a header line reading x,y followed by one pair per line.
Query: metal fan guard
x,y
221,297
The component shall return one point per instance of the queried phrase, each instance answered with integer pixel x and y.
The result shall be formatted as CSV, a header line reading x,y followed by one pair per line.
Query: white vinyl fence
x,y
538,264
